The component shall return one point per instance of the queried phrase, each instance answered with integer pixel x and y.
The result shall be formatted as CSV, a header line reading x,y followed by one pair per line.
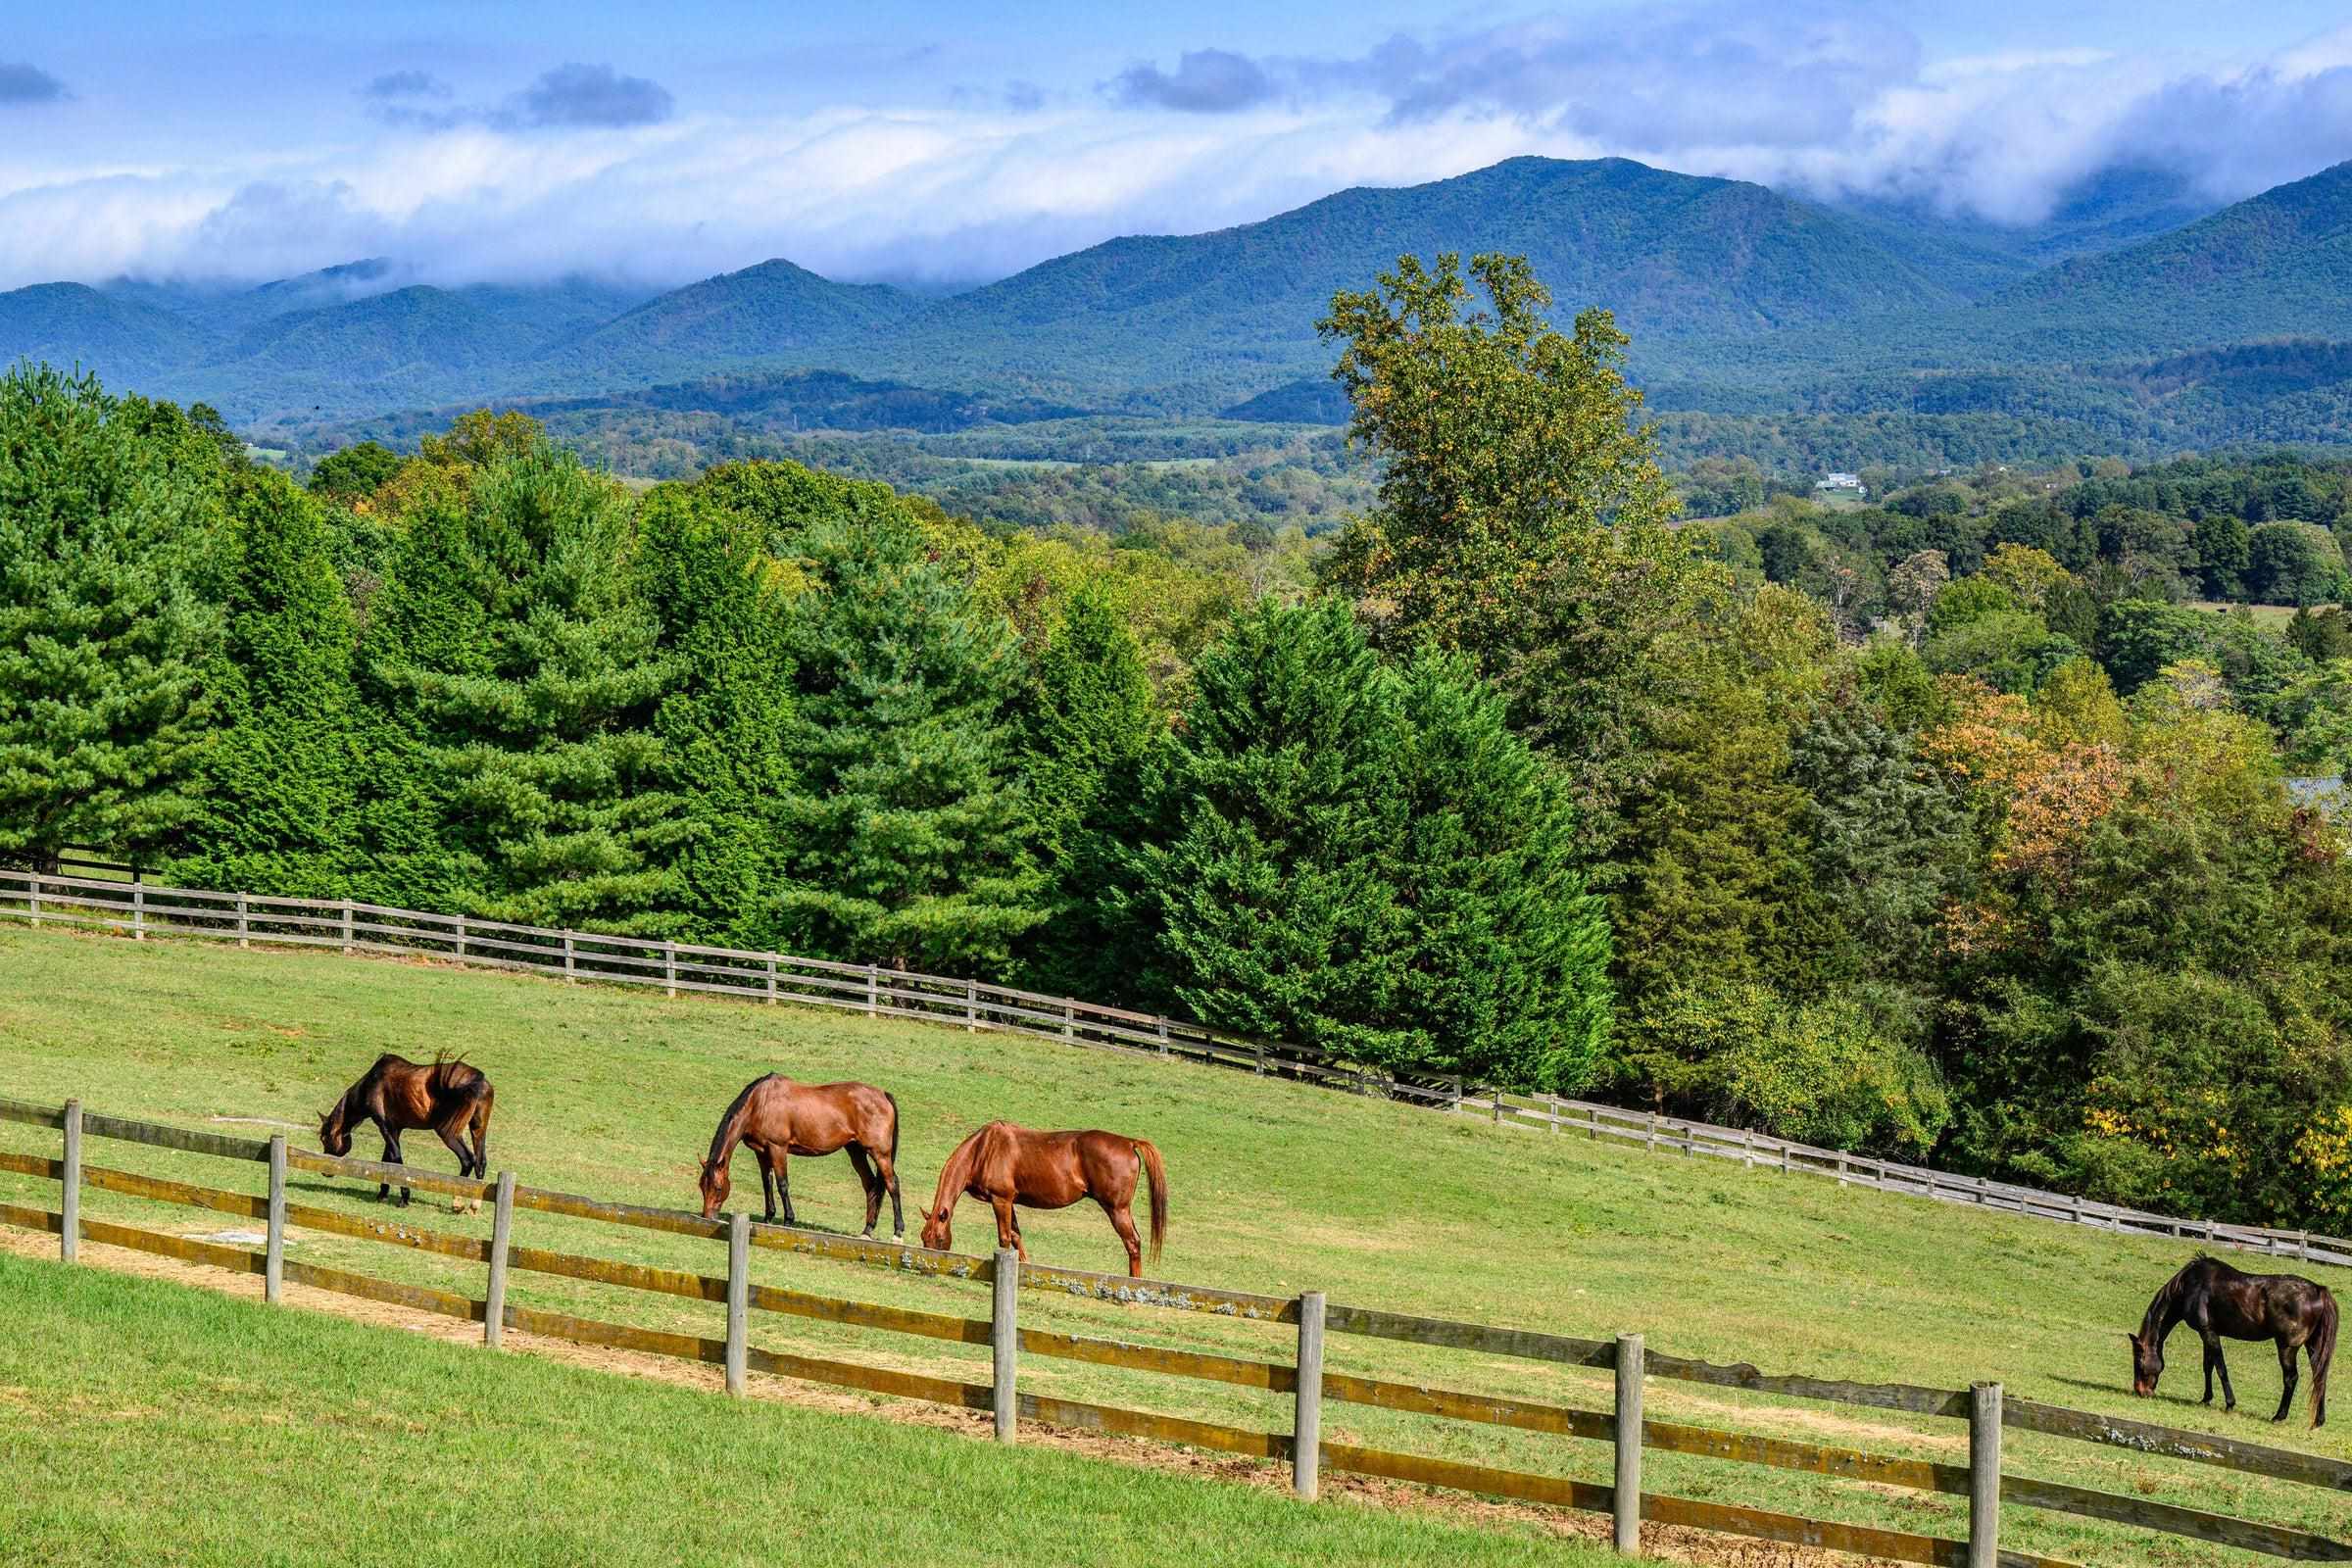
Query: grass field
x,y
1277,1188
122,1400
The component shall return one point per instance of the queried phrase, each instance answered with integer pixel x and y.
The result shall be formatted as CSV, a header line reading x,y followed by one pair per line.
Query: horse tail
x,y
730,1123
2323,1351
893,1126
1158,1177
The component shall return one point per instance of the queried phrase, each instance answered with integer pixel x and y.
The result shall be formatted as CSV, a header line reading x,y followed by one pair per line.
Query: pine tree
x,y
524,673
1504,956
1089,725
109,509
1262,882
724,719
907,834
276,791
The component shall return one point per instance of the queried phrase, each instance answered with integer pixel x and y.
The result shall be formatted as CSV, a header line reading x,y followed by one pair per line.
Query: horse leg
x,y
784,1187
2287,1375
767,1184
457,1145
2210,1353
1008,1230
2213,1349
889,1170
392,1157
383,1190
1122,1220
871,1183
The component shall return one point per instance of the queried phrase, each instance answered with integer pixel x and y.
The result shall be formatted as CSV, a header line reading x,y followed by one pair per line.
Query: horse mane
x,y
729,1120
2165,1309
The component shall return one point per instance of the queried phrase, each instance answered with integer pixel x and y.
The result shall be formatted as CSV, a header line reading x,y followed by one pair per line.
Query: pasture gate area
x,y
1302,1377
141,910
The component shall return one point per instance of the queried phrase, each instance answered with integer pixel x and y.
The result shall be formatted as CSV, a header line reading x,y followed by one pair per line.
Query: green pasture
x,y
1277,1188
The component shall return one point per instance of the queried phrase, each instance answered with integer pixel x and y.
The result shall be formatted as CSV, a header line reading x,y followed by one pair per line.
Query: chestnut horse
x,y
2219,1301
451,1097
1004,1166
779,1118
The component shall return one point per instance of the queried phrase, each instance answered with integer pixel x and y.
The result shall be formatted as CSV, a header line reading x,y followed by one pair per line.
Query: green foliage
x,y
2294,564
110,512
354,473
906,838
277,789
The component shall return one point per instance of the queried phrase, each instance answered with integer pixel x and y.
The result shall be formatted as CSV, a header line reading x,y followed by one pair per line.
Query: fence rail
x,y
1982,1480
144,909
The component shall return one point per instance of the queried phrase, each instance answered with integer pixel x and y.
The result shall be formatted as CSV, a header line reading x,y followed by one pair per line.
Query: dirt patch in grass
x,y
1673,1545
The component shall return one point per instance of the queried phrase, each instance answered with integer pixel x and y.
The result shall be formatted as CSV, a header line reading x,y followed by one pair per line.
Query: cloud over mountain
x,y
23,84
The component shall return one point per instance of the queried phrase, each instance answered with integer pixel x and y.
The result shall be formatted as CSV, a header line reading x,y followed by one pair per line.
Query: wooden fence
x,y
141,910
1982,1480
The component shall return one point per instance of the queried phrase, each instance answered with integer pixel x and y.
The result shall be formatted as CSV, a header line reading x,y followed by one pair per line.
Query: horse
x,y
1004,1166
452,1097
2217,1301
779,1118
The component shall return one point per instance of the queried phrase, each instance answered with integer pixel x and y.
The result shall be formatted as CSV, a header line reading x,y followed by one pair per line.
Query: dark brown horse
x,y
451,1097
2220,1302
779,1118
1006,1166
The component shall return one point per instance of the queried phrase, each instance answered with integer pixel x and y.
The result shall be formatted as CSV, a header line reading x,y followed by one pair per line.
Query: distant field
x,y
2271,615
147,1422
1277,1188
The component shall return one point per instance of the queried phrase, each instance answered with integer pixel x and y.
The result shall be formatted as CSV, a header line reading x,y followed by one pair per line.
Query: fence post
x,y
971,1005
138,912
569,959
771,979
347,928
1983,1474
35,897
1650,1132
1307,1427
1069,1017
461,939
243,935
69,1203
1786,1166
273,1261
1457,1094
874,987
502,1232
1841,1167
739,1297
669,967
1004,1340
1625,1501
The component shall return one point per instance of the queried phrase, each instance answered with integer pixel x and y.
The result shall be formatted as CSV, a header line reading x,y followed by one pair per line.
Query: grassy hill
x,y
1276,1187
199,1430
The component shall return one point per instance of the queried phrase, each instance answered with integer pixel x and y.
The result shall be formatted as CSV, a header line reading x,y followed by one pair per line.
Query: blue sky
x,y
895,139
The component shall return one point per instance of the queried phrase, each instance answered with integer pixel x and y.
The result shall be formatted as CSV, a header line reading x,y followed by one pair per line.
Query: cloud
x,y
405,84
1205,81
22,84
576,95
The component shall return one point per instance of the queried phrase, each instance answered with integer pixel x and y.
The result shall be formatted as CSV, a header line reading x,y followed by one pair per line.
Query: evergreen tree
x,y
1503,957
907,834
524,673
276,788
109,509
724,718
1089,727
1263,884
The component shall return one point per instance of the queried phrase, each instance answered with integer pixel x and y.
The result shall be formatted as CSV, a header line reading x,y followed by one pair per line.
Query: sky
x,y
945,144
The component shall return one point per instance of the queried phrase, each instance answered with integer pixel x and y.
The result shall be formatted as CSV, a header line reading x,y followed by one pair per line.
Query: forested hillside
x,y
1949,825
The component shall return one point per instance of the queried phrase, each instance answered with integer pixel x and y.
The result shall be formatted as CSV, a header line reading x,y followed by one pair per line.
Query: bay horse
x,y
779,1118
2220,1302
452,1097
1006,1166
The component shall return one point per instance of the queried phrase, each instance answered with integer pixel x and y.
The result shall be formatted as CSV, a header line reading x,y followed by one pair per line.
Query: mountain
x,y
1195,322
129,342
2103,210
773,313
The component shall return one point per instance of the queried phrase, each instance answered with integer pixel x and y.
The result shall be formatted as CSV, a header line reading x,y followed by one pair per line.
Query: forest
x,y
1949,825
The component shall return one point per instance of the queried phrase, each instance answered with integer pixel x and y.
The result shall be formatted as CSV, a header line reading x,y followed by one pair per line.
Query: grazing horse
x,y
451,1097
1004,1165
779,1118
2219,1301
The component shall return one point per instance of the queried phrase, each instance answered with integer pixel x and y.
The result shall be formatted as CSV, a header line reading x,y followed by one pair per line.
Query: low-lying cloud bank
x,y
589,169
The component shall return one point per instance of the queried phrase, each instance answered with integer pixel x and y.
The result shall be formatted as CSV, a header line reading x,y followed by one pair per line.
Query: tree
x,y
2225,551
355,472
278,788
108,512
526,672
1503,445
1090,722
2294,564
906,836
724,715
1259,883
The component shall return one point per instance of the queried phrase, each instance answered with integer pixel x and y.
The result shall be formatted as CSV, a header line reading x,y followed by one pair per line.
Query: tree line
x,y
1517,778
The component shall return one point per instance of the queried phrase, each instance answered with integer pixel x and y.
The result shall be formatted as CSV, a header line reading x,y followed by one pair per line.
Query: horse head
x,y
937,1237
715,1185
333,1136
2147,1363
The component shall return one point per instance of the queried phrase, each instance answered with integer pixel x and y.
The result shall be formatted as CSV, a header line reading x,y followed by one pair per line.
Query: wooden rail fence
x,y
146,910
1303,1377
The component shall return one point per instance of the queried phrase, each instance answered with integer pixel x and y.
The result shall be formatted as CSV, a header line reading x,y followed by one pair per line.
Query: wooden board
x,y
1875,1395
1162,1428
2254,1458
32,1219
371,1170
1128,1291
234,1258
1445,1332
391,1232
2276,1541
33,1165
676,1222
31,1115
870,1379
629,1276
869,1315
619,1336
417,1298
162,1191
1158,1360
187,1139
